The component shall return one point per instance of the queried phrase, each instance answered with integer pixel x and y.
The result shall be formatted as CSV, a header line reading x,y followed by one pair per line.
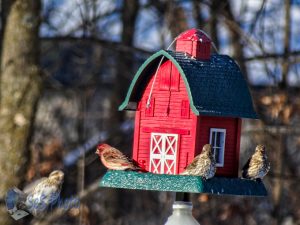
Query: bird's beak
x,y
97,151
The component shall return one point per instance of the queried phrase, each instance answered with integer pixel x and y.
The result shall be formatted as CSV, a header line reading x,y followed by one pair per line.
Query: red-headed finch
x,y
203,165
114,159
257,165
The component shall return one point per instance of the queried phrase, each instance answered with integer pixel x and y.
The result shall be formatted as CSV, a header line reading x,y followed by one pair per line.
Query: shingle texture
x,y
216,87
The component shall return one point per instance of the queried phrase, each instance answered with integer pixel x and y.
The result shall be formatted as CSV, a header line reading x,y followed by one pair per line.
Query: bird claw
x,y
12,211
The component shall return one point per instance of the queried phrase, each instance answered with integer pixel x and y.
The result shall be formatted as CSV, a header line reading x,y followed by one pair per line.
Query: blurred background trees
x,y
90,51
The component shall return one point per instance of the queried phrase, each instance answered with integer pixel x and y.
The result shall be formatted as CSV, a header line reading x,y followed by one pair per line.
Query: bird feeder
x,y
184,99
182,214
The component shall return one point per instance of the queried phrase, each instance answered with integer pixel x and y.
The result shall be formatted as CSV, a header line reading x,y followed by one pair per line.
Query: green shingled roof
x,y
215,87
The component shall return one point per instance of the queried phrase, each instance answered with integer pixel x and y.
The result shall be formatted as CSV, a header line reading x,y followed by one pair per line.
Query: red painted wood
x,y
165,76
186,161
170,106
149,111
207,122
170,122
193,35
175,79
169,77
136,136
195,43
138,108
178,153
165,130
184,46
185,109
238,144
195,139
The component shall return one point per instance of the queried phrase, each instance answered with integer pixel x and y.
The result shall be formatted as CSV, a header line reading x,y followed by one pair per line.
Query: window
x,y
217,141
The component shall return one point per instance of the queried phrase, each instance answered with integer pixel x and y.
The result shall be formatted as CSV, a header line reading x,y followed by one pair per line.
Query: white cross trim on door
x,y
163,153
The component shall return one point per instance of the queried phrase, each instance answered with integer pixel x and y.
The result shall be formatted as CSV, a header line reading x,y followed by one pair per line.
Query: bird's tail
x,y
139,166
15,203
185,172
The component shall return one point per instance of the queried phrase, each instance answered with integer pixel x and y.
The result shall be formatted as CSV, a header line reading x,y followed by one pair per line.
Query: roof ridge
x,y
213,85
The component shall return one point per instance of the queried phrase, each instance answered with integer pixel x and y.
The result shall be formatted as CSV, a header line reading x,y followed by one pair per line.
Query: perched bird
x,y
203,165
43,195
257,165
114,159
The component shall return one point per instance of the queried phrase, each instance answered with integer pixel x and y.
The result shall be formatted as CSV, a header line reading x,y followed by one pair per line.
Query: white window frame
x,y
161,155
213,143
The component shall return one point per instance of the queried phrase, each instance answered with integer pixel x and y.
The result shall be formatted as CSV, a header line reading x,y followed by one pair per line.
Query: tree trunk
x,y
199,20
237,45
5,6
278,184
176,19
283,84
124,64
20,87
213,22
123,78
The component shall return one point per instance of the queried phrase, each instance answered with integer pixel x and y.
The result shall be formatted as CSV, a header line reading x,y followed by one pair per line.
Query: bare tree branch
x,y
105,43
294,55
287,37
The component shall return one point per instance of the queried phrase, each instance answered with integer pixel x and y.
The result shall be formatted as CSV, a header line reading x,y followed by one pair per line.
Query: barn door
x,y
163,153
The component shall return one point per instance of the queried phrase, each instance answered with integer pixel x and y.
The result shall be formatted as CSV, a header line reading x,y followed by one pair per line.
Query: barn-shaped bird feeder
x,y
183,100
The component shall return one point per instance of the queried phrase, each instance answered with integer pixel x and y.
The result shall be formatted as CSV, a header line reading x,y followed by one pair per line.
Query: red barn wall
x,y
168,113
232,141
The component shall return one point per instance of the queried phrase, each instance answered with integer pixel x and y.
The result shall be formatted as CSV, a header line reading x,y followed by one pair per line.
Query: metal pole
x,y
182,214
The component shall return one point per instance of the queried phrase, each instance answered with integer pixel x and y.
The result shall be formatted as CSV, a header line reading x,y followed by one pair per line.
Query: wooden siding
x,y
167,115
232,126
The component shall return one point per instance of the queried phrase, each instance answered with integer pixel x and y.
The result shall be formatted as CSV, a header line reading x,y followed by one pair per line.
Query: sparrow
x,y
44,194
257,165
203,165
114,159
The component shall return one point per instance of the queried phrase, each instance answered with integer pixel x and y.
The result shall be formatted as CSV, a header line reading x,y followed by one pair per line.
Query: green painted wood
x,y
179,183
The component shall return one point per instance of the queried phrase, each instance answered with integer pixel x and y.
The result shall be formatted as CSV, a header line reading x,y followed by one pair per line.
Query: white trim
x,y
222,144
167,146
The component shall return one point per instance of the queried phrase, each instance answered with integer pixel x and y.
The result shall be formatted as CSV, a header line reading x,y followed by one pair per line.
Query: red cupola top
x,y
195,43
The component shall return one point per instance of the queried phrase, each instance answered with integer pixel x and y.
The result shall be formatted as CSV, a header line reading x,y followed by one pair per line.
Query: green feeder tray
x,y
179,183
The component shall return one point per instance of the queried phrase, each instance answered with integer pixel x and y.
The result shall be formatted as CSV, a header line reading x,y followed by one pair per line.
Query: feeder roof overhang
x,y
215,87
180,183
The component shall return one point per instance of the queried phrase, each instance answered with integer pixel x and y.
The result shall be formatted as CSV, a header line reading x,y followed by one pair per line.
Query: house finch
x,y
113,159
257,165
203,165
38,200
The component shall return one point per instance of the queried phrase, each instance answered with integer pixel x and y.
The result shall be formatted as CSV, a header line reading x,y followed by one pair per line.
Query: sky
x,y
152,34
